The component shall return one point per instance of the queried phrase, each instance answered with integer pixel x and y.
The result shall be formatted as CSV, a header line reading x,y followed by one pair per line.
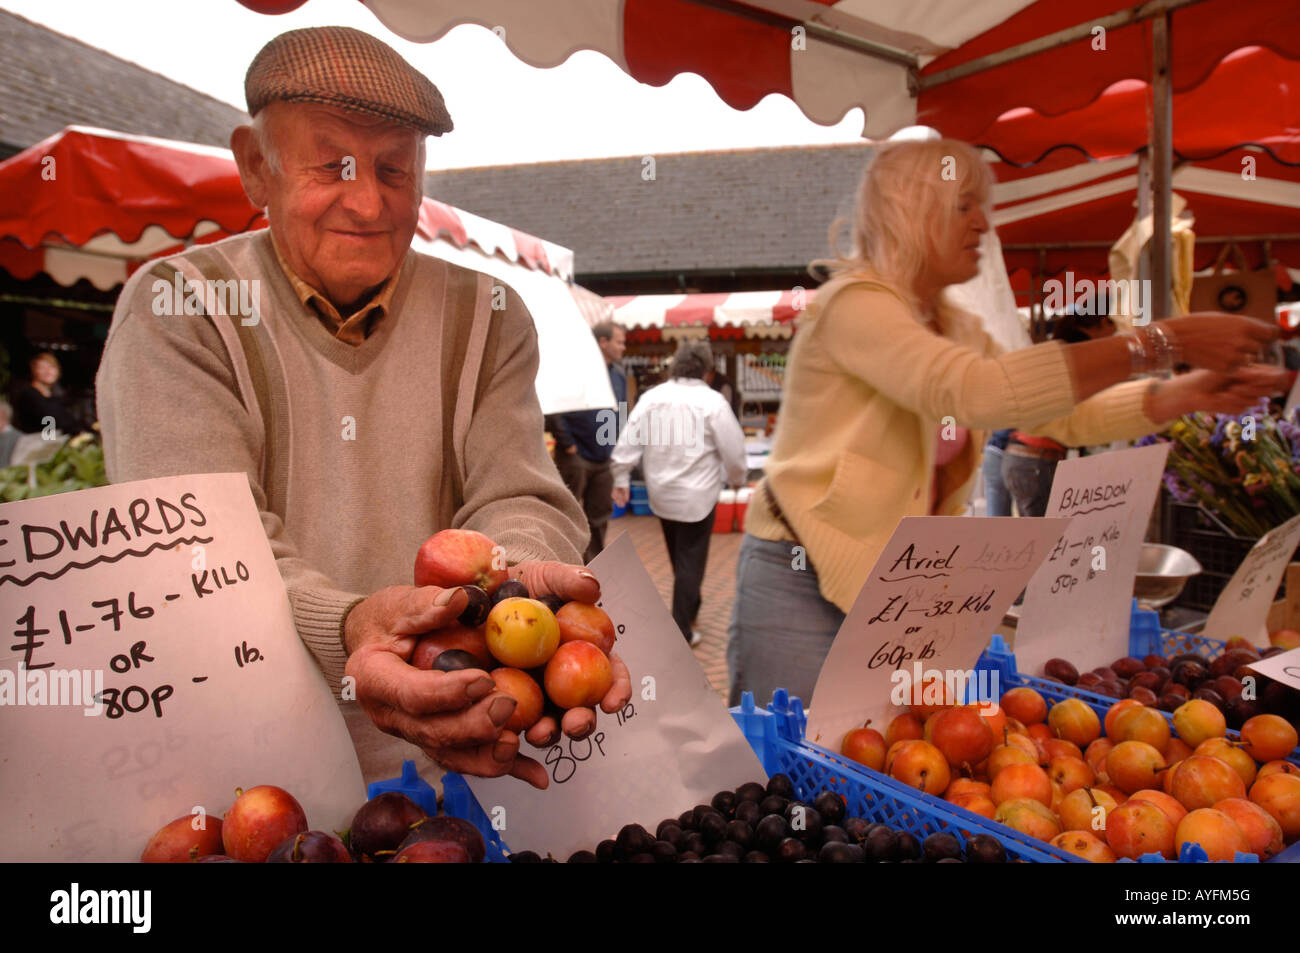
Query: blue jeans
x,y
781,627
996,498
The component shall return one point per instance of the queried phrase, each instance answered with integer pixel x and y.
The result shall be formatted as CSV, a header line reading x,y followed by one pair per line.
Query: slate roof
x,y
746,209
48,81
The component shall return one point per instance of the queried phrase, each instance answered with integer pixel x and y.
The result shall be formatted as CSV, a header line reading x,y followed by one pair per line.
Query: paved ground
x,y
718,591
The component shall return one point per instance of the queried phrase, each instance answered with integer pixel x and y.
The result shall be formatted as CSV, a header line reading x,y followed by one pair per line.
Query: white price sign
x,y
1283,667
1078,605
1242,606
674,746
939,589
151,666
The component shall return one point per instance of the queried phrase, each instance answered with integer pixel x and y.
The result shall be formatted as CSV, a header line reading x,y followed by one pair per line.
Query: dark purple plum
x,y
552,602
448,829
780,784
455,660
1062,670
510,589
310,847
830,806
381,824
477,609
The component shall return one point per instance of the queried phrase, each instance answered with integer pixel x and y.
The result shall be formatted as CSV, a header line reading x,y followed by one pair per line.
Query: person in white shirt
x,y
689,444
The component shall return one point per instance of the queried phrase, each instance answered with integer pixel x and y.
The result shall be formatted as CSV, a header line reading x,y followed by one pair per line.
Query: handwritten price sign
x,y
939,589
1284,668
150,665
673,745
1242,606
1078,604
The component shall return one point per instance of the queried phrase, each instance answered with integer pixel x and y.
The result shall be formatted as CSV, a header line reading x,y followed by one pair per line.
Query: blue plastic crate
x,y
640,500
777,737
459,801
1000,659
786,749
410,784
1146,637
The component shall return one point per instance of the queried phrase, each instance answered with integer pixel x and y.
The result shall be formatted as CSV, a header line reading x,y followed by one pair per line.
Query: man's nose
x,y
362,195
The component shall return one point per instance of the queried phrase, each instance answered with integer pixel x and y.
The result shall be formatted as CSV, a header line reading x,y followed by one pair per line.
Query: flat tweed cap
x,y
339,66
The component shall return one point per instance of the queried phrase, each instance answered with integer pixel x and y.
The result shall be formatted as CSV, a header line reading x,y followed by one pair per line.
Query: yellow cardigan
x,y
866,390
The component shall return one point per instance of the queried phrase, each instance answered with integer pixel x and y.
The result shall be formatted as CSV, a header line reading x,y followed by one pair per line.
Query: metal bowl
x,y
1162,572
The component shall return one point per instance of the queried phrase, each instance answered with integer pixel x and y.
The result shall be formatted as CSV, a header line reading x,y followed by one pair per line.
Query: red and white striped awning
x,y
95,204
742,314
830,56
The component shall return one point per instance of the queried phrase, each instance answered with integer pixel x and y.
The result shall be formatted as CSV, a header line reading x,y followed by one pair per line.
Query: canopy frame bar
x,y
1200,240
772,14
1153,9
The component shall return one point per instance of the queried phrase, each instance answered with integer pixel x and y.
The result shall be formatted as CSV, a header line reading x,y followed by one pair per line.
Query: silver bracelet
x,y
1137,354
1162,362
1157,350
1171,340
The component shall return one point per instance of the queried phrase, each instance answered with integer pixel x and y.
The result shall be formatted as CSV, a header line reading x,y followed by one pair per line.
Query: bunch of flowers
x,y
1245,470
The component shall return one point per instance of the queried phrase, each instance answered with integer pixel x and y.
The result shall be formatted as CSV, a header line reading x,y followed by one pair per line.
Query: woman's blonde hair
x,y
908,198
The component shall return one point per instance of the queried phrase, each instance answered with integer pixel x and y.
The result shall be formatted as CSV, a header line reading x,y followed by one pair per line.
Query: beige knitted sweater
x,y
867,389
355,455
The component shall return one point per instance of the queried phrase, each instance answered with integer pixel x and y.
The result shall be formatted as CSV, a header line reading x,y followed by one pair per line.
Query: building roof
x,y
48,81
745,209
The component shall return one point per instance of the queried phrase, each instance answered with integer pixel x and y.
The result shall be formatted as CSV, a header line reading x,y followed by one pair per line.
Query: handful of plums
x,y
536,649
266,824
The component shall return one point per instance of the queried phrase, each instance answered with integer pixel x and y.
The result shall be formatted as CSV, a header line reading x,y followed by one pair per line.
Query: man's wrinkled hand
x,y
454,717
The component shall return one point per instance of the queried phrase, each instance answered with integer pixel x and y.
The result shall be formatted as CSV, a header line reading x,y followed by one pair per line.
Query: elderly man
x,y
373,396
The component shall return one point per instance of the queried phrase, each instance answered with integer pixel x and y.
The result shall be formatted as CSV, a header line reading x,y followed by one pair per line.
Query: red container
x,y
724,517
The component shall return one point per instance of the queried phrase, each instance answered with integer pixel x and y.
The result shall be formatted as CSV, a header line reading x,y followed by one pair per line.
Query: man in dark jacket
x,y
585,439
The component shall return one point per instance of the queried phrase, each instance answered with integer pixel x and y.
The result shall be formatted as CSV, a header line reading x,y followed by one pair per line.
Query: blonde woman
x,y
881,359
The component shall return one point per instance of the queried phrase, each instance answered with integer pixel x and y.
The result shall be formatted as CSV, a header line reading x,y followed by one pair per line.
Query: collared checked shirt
x,y
357,326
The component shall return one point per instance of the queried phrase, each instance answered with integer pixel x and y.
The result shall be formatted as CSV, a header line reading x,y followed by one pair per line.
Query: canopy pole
x,y
1143,210
1162,167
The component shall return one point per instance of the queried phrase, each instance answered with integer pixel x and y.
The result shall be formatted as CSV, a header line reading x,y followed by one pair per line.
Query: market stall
x,y
978,753
749,332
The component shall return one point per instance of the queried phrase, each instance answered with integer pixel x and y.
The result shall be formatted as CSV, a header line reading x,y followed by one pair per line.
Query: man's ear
x,y
254,170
